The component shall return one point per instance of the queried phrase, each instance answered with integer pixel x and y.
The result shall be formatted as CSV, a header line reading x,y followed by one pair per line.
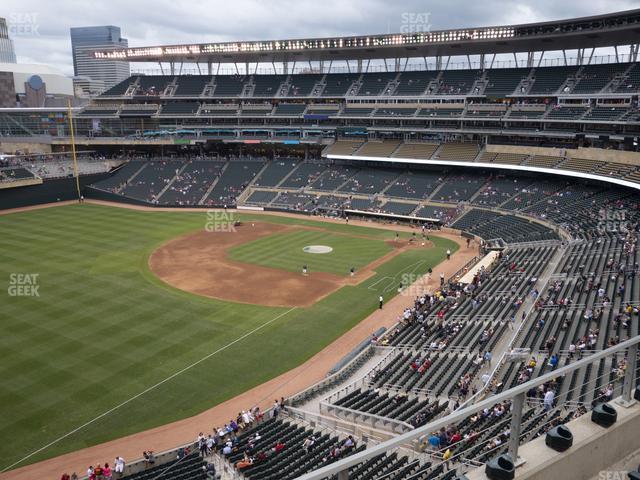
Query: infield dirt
x,y
199,263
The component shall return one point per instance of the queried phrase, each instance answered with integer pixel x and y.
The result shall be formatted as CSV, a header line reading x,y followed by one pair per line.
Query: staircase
x,y
213,184
130,179
175,177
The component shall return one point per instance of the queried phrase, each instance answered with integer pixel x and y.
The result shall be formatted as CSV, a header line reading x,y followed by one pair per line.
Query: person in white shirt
x,y
226,451
119,465
549,397
246,418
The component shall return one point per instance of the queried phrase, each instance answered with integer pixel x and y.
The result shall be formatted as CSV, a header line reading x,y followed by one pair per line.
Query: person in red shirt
x,y
98,472
279,447
65,476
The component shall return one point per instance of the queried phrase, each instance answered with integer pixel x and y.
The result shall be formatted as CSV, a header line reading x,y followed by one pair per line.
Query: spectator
x,y
549,398
119,465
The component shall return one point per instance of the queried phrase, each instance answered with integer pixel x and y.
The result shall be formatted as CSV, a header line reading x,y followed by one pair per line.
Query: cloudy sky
x,y
40,28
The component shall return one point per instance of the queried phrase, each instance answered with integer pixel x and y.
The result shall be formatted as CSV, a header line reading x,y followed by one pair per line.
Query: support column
x,y
343,475
541,57
630,380
516,426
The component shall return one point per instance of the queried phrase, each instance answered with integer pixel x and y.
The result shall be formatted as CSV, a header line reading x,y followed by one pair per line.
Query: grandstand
x,y
534,166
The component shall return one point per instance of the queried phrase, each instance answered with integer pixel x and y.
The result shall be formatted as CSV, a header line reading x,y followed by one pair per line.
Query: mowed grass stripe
x,y
285,251
105,328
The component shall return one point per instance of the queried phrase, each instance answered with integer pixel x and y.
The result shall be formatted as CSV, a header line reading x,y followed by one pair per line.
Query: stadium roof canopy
x,y
613,29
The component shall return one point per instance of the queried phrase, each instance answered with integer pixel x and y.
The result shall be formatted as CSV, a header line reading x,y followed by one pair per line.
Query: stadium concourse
x,y
314,370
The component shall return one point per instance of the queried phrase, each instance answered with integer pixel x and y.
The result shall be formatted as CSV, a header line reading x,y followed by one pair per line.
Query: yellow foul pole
x,y
73,148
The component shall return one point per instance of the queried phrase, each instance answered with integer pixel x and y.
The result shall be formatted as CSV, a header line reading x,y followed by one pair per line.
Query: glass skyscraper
x,y
86,39
7,54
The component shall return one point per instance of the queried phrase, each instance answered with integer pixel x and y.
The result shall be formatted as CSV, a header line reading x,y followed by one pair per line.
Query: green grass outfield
x,y
104,328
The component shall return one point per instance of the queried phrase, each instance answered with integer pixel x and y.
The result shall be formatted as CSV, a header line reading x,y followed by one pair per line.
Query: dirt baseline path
x,y
199,263
285,385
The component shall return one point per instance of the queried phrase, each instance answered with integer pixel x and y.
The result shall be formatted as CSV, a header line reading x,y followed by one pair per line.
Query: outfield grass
x,y
285,251
104,328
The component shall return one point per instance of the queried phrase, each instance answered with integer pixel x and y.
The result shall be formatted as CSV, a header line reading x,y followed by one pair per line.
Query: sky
x,y
40,28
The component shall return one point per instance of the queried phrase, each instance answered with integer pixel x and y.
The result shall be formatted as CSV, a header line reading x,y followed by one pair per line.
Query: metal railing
x,y
366,418
517,397
345,372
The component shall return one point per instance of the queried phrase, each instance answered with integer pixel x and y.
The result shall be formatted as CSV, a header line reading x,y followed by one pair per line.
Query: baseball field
x,y
115,320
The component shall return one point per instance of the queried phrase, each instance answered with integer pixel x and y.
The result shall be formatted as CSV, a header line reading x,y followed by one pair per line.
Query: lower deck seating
x,y
233,181
276,450
190,467
191,183
511,229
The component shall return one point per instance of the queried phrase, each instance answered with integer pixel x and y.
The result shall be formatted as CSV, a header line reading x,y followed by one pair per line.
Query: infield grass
x,y
285,251
104,328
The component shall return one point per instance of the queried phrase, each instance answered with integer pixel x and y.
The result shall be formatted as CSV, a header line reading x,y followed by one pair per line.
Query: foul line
x,y
147,390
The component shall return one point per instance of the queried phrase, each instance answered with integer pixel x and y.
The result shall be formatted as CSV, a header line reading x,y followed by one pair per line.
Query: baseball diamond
x,y
306,250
